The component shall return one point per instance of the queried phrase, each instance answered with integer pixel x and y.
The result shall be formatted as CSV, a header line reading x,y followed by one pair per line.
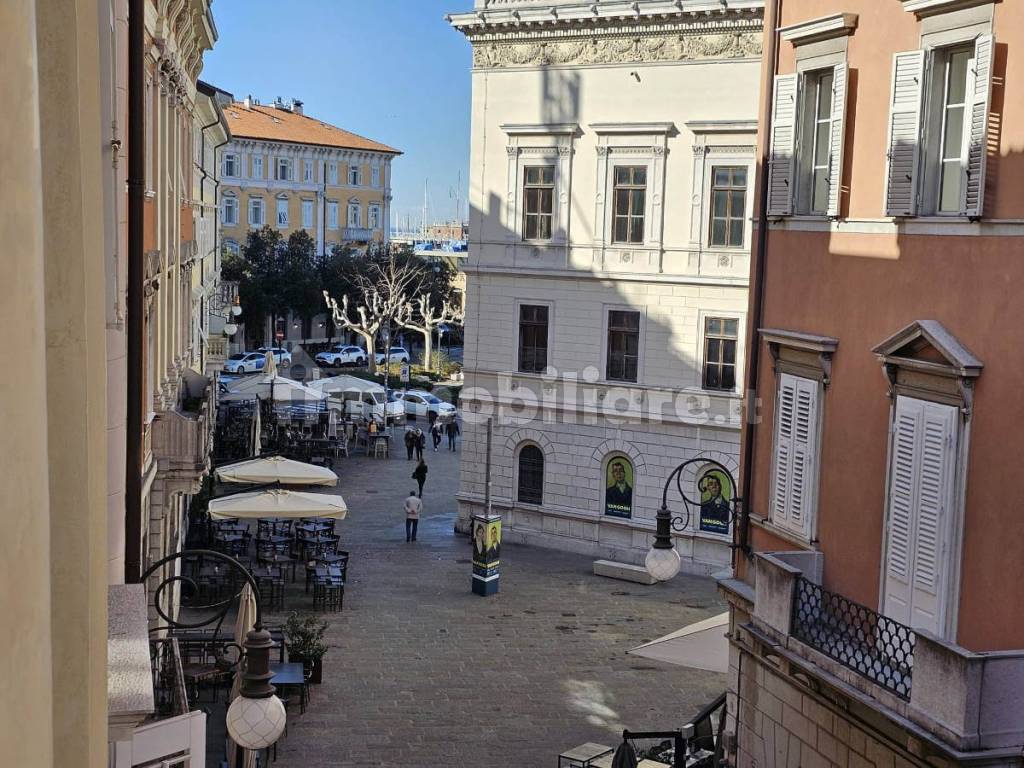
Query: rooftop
x,y
278,123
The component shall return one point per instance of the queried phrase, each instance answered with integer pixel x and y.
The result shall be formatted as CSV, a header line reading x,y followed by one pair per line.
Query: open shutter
x,y
903,475
904,133
795,454
835,170
783,450
783,139
980,89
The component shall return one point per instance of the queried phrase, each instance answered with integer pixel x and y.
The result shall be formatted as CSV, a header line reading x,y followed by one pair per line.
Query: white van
x,y
359,398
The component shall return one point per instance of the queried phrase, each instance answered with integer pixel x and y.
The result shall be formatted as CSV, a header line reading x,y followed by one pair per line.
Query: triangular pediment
x,y
928,344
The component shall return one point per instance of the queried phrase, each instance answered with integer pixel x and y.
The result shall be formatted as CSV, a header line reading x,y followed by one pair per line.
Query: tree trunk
x,y
428,340
371,360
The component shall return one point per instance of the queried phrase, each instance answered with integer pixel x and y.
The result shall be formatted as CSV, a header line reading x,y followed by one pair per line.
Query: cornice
x,y
823,28
924,8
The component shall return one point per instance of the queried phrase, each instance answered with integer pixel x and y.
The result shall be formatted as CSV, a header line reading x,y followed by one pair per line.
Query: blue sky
x,y
392,70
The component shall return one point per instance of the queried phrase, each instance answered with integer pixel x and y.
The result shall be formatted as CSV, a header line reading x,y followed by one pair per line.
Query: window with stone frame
x,y
721,338
530,488
630,198
623,345
538,201
533,338
728,206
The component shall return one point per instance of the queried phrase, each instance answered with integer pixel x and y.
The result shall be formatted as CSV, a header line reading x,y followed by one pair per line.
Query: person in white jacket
x,y
413,508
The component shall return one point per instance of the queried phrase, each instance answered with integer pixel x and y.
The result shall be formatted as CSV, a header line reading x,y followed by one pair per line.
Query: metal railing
x,y
169,691
859,638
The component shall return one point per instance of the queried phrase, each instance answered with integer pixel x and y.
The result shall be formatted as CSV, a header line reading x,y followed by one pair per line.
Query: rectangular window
x,y
229,211
355,215
332,173
815,146
796,454
307,170
623,345
375,176
538,201
728,206
374,222
353,175
284,169
255,212
533,338
952,165
307,214
721,336
257,166
282,212
630,196
230,165
332,214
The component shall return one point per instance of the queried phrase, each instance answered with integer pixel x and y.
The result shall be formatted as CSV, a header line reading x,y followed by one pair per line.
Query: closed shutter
x,y
921,488
835,171
980,88
796,437
904,133
783,139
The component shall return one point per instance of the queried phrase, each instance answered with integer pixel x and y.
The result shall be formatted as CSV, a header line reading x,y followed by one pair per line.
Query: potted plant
x,y
305,636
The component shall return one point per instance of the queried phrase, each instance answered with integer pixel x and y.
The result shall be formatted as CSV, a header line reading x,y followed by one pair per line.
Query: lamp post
x,y
718,505
256,718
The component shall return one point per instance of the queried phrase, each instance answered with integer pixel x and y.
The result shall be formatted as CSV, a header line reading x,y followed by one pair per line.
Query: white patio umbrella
x,y
332,423
699,646
278,502
276,469
279,388
257,428
244,621
270,365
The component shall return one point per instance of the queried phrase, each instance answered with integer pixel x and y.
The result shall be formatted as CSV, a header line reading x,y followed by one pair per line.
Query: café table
x,y
290,675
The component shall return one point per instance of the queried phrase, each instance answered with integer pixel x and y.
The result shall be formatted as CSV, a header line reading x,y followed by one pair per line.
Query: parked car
x,y
395,354
342,354
421,403
360,398
245,362
281,356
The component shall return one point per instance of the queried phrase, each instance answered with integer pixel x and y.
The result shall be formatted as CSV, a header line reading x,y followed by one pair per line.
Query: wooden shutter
x,y
904,133
796,437
921,489
835,170
979,91
783,139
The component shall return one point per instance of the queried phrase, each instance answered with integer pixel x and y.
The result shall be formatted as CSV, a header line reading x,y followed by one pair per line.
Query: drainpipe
x,y
135,302
772,14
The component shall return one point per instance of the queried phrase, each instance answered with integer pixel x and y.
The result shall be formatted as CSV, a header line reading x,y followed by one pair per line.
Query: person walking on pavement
x,y
420,475
413,508
419,442
452,430
410,443
431,420
435,435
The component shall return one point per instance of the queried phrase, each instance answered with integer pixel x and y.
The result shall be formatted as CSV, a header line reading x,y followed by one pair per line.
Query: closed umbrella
x,y
332,423
276,469
278,502
625,756
257,438
270,365
244,622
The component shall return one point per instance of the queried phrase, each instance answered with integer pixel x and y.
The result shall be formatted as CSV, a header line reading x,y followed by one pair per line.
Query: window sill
x,y
781,533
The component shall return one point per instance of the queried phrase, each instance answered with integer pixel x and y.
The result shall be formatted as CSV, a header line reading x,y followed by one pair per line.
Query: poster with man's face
x,y
716,494
487,544
618,493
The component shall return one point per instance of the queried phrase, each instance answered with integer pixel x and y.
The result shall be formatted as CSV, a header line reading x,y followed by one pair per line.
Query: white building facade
x,y
612,170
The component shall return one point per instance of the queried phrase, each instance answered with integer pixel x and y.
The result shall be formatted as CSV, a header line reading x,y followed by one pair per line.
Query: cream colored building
x,y
611,190
289,170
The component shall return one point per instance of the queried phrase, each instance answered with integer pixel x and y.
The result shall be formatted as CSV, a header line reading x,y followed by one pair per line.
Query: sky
x,y
390,70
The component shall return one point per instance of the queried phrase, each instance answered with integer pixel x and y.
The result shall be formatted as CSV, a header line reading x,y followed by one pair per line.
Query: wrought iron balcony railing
x,y
169,690
857,637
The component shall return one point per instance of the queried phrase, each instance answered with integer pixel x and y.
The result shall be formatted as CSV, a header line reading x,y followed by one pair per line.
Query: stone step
x,y
623,571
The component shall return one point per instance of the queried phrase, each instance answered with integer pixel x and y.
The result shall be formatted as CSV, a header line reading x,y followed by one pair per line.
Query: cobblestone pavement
x,y
421,672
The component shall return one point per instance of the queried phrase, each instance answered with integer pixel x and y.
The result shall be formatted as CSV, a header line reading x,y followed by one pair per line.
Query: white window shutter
x,y
904,133
783,140
795,454
783,464
980,89
835,171
903,473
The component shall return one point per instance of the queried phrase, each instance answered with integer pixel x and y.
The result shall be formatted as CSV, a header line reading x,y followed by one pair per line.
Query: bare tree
x,y
421,316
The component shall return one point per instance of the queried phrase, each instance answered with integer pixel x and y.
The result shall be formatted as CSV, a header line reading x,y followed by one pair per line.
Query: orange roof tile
x,y
273,124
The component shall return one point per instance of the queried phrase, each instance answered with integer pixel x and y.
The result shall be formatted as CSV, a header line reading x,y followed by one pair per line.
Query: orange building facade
x,y
875,616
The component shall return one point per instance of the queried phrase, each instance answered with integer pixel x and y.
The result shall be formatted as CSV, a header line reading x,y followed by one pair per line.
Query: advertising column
x,y
486,554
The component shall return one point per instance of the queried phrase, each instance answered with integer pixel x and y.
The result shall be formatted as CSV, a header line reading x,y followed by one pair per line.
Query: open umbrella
x,y
276,469
245,621
280,389
699,646
278,502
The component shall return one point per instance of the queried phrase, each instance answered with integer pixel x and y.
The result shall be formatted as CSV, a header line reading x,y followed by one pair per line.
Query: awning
x,y
276,469
278,502
700,646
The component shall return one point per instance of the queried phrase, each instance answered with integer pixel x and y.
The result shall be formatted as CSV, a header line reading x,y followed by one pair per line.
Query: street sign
x,y
403,373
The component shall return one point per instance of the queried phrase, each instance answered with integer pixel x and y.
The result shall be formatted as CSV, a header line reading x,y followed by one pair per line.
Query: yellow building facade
x,y
288,170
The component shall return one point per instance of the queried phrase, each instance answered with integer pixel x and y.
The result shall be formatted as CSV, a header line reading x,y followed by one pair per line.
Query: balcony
x,y
357,234
957,700
182,437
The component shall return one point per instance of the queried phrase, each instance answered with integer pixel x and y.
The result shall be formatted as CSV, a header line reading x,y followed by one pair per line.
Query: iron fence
x,y
857,637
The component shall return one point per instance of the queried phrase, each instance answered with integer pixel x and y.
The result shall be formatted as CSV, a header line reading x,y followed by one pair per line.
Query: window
x,y
728,206
283,169
946,157
282,211
374,217
231,247
816,136
332,214
796,454
355,215
230,164
255,212
257,166
531,475
307,214
720,340
229,211
538,201
375,176
630,195
623,345
533,338
332,173
354,175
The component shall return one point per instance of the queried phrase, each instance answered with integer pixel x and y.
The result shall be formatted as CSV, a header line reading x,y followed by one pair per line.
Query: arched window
x,y
618,486
531,475
231,246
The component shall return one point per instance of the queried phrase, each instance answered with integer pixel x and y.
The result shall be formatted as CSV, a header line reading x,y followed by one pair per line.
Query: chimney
x,y
278,103
248,101
296,106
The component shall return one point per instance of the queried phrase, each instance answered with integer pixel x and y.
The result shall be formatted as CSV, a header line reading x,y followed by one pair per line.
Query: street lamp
x,y
663,561
230,326
256,718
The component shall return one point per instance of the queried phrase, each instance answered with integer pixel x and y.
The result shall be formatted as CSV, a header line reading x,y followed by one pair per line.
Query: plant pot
x,y
314,668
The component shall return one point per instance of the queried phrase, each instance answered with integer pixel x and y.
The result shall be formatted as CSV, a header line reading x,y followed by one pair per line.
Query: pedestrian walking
x,y
413,508
420,475
435,435
452,430
419,442
410,444
431,419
